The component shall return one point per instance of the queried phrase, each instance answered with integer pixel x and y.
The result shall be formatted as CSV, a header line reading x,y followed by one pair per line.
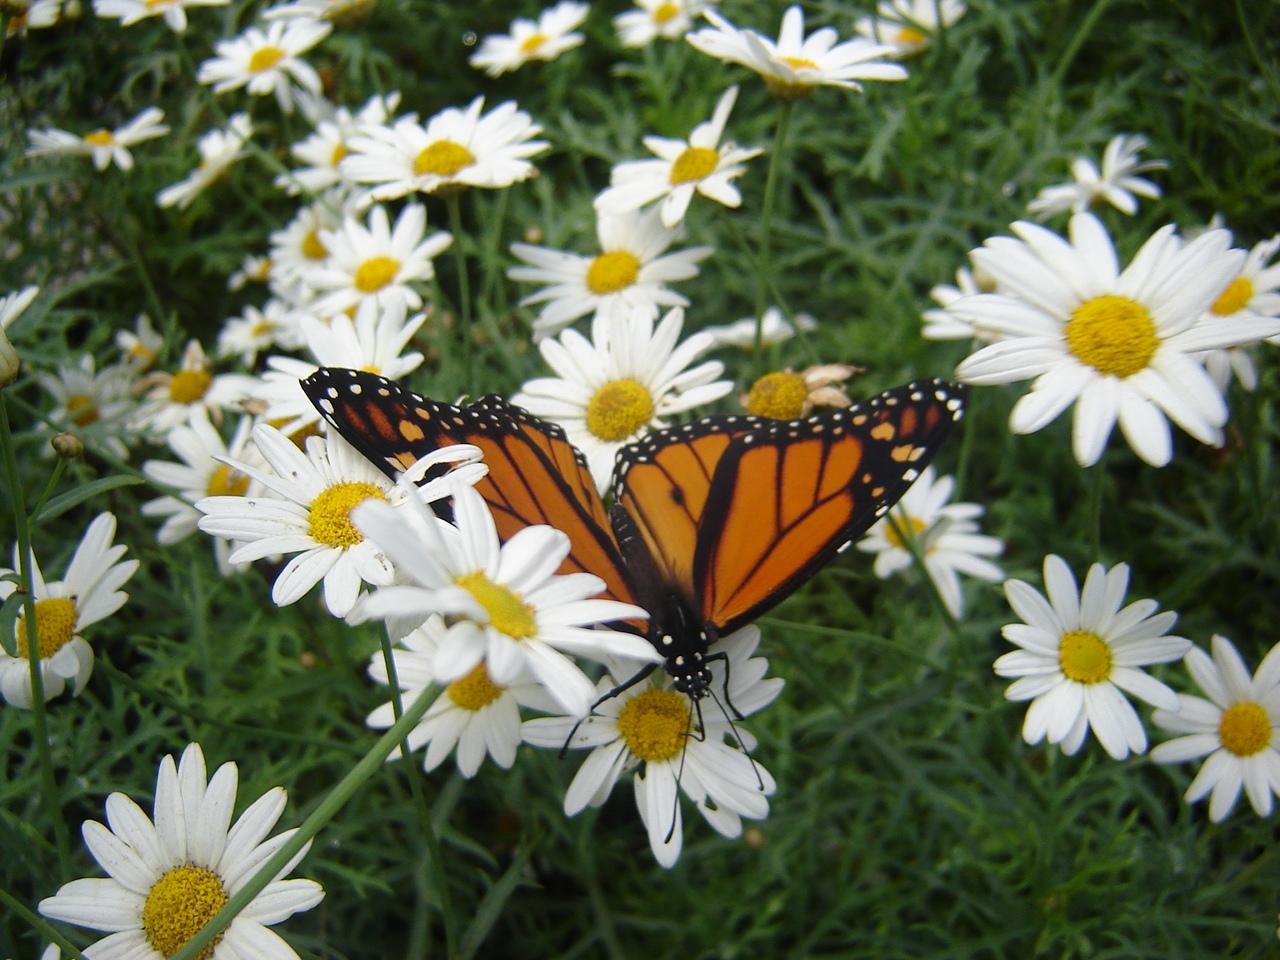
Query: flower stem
x,y
464,283
902,528
763,266
40,925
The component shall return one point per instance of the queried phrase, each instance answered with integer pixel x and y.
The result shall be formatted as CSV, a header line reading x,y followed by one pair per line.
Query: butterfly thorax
x,y
683,639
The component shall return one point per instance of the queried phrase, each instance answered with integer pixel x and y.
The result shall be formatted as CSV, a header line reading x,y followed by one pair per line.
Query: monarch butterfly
x,y
714,522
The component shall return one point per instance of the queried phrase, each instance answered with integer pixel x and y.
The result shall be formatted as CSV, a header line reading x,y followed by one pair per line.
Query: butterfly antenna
x,y
733,727
684,750
627,684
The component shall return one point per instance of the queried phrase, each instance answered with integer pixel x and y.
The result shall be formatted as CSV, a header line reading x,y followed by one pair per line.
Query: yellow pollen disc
x,y
338,155
443,158
799,63
261,328
141,351
99,138
55,626
188,386
330,513
909,37
225,482
619,409
475,691
1114,335
694,164
82,410
654,724
612,271
265,58
154,4
179,905
312,248
532,43
375,273
507,612
917,527
1232,300
665,13
780,396
1245,729
1084,657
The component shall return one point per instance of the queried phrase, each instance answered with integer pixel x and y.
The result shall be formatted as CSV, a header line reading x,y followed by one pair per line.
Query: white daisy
x,y
796,65
11,307
908,25
1080,651
775,328
1254,292
942,323
341,12
545,39
252,270
89,592
629,273
457,148
1237,728
669,19
618,386
306,512
1122,343
701,165
102,145
275,325
297,250
170,873
219,149
130,12
372,268
171,398
787,395
1116,184
946,534
680,749
141,345
92,404
324,150
508,608
472,714
267,61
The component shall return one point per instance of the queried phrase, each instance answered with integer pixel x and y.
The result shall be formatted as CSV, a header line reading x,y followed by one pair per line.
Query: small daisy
x,y
946,534
219,149
796,65
102,145
306,512
908,25
1116,184
702,165
324,151
1080,651
372,268
669,19
787,395
141,346
546,39
89,592
472,714
942,323
1237,728
680,749
267,61
629,273
257,330
92,404
775,328
618,386
130,12
171,872
507,606
11,307
297,250
252,270
1255,292
1122,343
341,12
457,148
171,398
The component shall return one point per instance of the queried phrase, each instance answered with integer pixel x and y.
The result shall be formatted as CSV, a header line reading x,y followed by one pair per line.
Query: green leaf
x,y
9,611
490,907
64,502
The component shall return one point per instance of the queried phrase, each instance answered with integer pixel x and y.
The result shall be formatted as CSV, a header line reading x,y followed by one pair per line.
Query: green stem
x,y
1098,476
902,529
1081,35
764,273
464,284
40,925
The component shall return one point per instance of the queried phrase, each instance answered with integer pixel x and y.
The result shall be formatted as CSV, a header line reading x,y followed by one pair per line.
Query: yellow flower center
x,y
788,89
375,273
225,482
99,138
694,164
654,724
312,248
55,626
799,63
507,612
1233,299
1245,729
619,409
338,155
909,37
1114,335
265,58
475,691
916,527
1084,657
141,352
81,409
188,386
779,396
154,4
443,158
330,513
612,271
665,13
532,43
179,905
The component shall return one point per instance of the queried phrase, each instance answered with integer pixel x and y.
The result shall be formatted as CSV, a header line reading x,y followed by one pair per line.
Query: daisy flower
x,y
324,150
89,592
616,387
472,715
11,307
297,250
907,25
701,165
90,403
545,39
171,398
1116,184
508,608
654,732
141,345
307,512
796,65
341,12
943,323
1255,292
102,145
1237,728
1079,651
170,873
267,61
219,149
457,148
945,534
787,395
669,19
629,273
775,328
1123,343
371,268
257,330
130,12
252,270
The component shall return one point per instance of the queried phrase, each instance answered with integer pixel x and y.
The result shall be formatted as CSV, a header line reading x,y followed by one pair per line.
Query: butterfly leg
x,y
621,688
724,658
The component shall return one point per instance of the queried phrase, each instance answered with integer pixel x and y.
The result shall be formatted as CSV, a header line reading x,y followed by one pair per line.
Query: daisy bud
x,y
67,446
9,363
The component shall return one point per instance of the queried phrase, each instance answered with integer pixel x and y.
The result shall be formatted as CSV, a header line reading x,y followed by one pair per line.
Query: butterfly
x,y
714,522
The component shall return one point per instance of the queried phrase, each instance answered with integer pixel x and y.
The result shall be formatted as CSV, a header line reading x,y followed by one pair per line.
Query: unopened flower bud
x,y
9,363
67,445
